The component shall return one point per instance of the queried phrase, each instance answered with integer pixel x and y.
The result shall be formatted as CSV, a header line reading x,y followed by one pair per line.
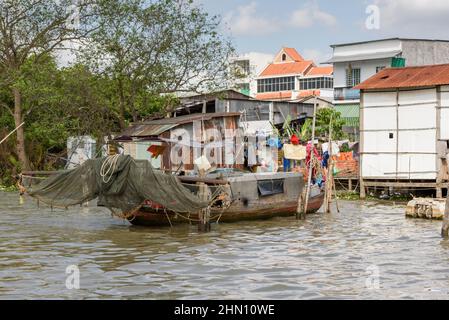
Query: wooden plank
x,y
403,184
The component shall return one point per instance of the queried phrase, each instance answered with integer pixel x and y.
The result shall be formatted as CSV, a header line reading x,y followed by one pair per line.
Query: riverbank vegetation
x,y
91,67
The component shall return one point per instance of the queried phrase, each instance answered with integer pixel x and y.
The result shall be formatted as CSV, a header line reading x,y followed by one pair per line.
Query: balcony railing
x,y
346,94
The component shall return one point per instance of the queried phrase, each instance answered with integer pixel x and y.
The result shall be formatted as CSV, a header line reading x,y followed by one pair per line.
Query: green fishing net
x,y
119,182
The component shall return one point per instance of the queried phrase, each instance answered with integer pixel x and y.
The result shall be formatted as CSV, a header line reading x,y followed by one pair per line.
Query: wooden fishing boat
x,y
238,196
232,195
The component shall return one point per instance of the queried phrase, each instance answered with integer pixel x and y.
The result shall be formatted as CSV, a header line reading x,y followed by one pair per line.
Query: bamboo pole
x,y
445,228
330,183
328,189
335,192
301,212
4,139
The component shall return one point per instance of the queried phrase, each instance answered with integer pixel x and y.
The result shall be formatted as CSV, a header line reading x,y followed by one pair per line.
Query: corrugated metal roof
x,y
157,127
409,77
146,130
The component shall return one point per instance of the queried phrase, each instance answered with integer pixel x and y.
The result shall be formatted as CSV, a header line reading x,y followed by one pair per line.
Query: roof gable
x,y
291,55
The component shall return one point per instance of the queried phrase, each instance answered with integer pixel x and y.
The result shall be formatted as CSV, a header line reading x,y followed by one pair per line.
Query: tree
x,y
325,118
64,102
38,28
159,47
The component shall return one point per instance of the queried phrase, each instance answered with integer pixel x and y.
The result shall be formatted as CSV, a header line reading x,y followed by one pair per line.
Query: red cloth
x,y
294,140
156,150
315,155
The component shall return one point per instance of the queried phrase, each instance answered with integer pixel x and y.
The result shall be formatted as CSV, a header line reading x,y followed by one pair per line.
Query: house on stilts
x,y
404,129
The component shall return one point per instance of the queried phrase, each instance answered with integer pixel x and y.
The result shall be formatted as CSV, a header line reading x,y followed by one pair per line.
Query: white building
x,y
356,62
248,67
404,128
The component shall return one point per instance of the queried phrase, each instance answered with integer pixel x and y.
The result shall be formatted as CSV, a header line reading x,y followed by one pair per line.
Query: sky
x,y
311,26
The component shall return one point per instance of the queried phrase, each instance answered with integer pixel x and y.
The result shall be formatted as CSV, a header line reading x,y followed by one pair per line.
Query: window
x,y
284,57
276,84
316,83
270,187
378,69
352,77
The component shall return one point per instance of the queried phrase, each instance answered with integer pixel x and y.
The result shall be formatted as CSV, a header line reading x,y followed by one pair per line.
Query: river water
x,y
368,251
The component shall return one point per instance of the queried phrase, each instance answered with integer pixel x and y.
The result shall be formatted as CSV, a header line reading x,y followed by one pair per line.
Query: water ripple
x,y
325,257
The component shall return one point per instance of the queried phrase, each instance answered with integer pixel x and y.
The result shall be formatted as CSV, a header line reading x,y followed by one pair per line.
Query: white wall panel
x,y
417,141
417,116
417,166
379,141
418,96
445,99
445,124
379,99
417,110
379,118
378,165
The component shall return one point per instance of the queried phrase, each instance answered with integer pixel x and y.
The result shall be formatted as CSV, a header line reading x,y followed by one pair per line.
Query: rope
x,y
109,167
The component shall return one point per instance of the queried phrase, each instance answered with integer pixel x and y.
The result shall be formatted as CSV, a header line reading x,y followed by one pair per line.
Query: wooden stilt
x,y
301,212
204,214
445,228
362,189
336,199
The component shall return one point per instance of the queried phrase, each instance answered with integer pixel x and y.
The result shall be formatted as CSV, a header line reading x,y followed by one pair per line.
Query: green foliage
x,y
345,148
326,119
154,48
136,56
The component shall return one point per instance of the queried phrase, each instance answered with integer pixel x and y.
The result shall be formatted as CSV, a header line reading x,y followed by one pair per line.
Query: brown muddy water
x,y
368,251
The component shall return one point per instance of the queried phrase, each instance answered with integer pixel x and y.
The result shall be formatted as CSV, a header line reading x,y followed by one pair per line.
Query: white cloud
x,y
310,15
316,55
247,21
417,17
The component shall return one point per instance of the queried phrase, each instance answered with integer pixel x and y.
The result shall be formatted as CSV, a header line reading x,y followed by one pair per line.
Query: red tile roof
x,y
308,93
287,68
320,71
293,54
281,95
432,75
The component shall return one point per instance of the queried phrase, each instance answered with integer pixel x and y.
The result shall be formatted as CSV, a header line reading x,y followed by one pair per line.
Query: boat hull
x,y
235,213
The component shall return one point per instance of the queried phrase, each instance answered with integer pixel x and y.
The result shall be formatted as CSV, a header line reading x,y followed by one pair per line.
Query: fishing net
x,y
119,182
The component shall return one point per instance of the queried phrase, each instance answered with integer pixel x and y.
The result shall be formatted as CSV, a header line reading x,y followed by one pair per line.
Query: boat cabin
x,y
176,144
